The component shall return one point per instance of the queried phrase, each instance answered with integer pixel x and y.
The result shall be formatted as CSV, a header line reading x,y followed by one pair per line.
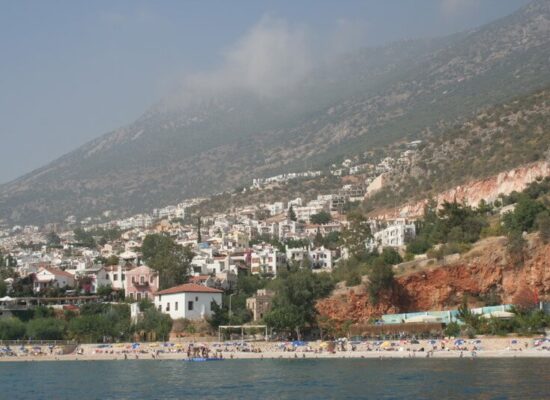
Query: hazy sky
x,y
72,70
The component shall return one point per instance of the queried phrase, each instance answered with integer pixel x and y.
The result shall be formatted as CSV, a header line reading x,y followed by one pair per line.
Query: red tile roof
x,y
189,287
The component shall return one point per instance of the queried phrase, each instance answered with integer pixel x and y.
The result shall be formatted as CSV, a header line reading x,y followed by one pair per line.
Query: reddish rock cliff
x,y
484,271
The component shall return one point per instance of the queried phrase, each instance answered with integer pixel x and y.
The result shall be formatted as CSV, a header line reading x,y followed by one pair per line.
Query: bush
x,y
452,329
418,246
353,279
46,329
11,329
390,256
156,323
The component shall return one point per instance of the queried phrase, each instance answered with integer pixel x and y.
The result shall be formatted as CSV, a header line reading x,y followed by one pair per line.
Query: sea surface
x,y
278,379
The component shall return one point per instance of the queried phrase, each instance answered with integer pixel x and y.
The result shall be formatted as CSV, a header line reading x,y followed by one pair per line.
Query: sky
x,y
72,70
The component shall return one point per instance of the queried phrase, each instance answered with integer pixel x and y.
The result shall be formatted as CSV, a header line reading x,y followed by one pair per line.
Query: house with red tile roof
x,y
190,301
47,277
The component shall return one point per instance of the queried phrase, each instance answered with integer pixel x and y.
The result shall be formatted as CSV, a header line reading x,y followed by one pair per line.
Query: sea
x,y
278,379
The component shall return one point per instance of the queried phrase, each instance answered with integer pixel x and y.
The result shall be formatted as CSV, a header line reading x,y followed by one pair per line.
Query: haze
x,y
73,70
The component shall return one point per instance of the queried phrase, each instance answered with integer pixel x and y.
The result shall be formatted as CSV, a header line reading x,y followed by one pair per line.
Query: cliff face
x,y
484,271
488,189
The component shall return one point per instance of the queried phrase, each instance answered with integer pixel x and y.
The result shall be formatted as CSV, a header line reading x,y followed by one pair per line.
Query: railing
x,y
15,307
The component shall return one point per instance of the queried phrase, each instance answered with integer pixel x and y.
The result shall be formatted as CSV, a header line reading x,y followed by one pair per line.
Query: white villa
x,y
189,301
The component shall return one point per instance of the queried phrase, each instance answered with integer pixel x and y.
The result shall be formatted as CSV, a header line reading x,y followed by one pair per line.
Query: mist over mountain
x,y
277,103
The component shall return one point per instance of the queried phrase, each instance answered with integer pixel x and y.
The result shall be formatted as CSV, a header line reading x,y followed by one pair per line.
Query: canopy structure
x,y
423,319
6,298
242,328
499,314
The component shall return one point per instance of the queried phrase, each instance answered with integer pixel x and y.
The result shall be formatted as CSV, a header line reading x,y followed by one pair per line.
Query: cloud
x,y
452,8
272,57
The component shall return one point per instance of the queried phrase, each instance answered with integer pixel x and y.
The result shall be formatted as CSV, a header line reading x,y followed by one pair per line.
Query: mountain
x,y
197,143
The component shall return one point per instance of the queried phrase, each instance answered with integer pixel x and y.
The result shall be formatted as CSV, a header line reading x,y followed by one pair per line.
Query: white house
x,y
189,301
52,277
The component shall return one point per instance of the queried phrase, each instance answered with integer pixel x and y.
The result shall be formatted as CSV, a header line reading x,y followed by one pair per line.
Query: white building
x,y
395,234
190,301
267,261
52,277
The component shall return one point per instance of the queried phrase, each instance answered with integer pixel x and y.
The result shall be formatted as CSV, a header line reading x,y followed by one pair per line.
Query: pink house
x,y
141,283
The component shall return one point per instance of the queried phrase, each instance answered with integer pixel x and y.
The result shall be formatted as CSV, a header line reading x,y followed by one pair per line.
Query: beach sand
x,y
483,348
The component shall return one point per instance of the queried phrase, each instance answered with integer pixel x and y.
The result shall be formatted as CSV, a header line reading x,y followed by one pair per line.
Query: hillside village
x,y
77,262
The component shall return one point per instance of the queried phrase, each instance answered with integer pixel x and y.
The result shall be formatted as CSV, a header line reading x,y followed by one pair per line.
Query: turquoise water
x,y
279,379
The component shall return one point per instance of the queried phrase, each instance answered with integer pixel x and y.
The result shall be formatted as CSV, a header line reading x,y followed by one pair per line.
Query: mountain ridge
x,y
375,98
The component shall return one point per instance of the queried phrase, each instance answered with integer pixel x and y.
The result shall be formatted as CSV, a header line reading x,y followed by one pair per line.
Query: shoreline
x,y
441,349
286,356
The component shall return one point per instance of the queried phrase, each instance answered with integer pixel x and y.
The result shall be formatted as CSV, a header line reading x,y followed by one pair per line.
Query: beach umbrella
x,y
459,342
385,345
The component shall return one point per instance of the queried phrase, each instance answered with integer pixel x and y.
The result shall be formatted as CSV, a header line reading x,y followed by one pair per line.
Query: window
x,y
132,296
151,279
142,279
115,277
122,277
138,296
133,279
190,305
168,306
196,298
176,306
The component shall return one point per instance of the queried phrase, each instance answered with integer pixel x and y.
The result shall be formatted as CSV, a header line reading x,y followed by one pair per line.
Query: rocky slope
x,y
209,143
472,193
485,272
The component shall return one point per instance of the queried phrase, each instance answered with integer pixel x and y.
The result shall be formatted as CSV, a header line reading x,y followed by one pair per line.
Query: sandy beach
x,y
450,348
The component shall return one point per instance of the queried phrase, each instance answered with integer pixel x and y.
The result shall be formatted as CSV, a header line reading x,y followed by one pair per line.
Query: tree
x,y
11,329
523,217
156,323
84,238
515,247
320,218
419,245
46,329
452,329
380,278
199,235
318,240
390,256
3,288
293,307
90,328
356,234
170,259
291,214
53,239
